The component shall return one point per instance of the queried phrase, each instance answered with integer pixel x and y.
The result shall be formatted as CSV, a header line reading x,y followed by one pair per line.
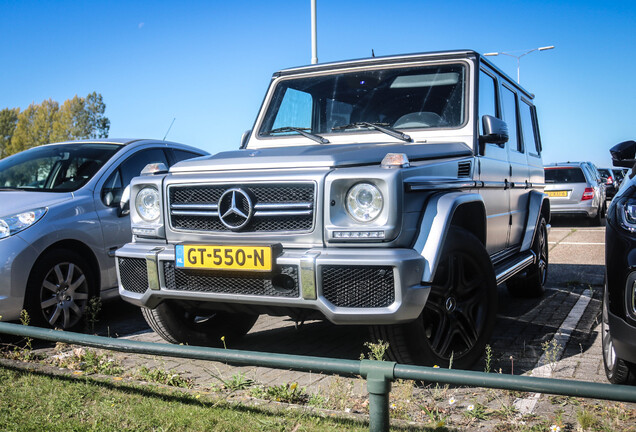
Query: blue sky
x,y
208,63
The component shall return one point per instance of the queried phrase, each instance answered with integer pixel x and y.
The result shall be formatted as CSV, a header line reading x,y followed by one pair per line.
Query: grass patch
x,y
40,402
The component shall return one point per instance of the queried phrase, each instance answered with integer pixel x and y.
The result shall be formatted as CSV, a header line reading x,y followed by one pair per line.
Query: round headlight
x,y
147,204
364,202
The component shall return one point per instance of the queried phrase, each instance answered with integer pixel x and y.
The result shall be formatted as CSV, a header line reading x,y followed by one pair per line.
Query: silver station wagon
x,y
395,192
61,223
574,191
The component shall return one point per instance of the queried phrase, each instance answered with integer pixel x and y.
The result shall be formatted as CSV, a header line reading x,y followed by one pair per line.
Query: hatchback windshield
x,y
400,98
58,168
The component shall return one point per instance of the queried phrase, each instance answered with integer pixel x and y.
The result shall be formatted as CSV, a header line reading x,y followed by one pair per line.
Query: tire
x,y
459,315
59,289
617,370
176,324
598,219
531,283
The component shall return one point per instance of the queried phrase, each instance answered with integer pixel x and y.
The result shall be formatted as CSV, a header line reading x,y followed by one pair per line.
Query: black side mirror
x,y
495,131
624,154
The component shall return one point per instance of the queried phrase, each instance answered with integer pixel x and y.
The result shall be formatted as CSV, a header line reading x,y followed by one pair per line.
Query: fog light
x,y
358,234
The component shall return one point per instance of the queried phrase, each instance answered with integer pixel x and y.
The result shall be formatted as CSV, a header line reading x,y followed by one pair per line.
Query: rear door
x,y
494,170
518,166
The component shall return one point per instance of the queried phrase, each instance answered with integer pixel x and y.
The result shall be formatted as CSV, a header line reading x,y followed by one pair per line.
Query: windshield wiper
x,y
302,131
382,127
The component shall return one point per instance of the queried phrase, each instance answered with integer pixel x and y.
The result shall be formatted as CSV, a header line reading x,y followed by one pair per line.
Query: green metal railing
x,y
379,374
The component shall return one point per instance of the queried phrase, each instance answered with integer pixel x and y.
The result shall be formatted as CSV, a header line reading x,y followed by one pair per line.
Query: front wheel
x,y
59,288
460,312
179,324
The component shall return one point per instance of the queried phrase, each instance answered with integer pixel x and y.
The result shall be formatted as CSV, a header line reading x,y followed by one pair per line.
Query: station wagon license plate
x,y
557,193
216,257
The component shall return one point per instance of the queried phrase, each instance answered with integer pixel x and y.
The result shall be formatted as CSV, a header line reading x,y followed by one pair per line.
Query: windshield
x,y
58,168
400,98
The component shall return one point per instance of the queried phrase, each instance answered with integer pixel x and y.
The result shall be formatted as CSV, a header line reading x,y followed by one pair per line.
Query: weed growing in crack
x,y
92,312
377,350
551,351
488,359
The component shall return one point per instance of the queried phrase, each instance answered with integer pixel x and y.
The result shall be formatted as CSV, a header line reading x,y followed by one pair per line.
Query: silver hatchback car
x,y
61,223
573,190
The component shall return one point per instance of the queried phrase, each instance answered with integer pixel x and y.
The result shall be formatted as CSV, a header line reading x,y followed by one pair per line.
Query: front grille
x,y
358,287
276,207
228,282
133,274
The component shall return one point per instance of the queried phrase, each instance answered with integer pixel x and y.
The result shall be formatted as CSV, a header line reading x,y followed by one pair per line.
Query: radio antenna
x,y
169,127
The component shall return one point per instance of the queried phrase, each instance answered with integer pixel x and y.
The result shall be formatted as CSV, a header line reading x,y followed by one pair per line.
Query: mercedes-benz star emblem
x,y
235,208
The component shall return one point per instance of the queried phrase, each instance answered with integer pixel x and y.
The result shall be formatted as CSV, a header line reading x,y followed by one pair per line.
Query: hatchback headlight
x,y
364,202
15,223
147,204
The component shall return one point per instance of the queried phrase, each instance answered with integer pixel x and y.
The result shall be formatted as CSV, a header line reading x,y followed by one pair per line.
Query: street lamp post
x,y
518,57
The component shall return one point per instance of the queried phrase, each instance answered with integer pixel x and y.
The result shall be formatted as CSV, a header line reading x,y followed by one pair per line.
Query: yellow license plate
x,y
557,193
215,257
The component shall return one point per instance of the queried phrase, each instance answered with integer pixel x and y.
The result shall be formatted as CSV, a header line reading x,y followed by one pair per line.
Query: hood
x,y
20,201
319,156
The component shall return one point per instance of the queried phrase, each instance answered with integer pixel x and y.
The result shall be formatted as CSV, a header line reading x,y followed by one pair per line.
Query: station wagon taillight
x,y
588,194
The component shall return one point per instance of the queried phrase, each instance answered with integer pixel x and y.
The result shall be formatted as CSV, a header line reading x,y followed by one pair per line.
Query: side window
x,y
527,128
487,97
295,110
509,102
131,167
180,155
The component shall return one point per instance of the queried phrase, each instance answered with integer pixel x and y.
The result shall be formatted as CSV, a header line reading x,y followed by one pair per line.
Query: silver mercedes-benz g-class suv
x,y
395,191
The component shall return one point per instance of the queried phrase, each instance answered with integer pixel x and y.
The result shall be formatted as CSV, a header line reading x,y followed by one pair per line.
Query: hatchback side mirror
x,y
624,154
124,203
495,132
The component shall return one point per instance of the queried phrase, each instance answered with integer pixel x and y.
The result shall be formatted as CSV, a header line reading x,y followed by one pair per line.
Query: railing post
x,y
379,375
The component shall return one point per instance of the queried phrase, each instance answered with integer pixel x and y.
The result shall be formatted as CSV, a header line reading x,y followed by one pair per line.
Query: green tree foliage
x,y
8,122
76,118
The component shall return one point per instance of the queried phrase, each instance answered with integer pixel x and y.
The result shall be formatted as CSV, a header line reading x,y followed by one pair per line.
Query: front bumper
x,y
348,286
16,260
623,338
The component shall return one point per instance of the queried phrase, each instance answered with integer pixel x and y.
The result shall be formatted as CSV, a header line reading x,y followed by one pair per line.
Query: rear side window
x,y
564,175
509,101
527,128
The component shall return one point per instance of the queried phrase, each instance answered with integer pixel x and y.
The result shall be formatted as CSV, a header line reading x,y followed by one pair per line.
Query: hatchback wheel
x,y
59,288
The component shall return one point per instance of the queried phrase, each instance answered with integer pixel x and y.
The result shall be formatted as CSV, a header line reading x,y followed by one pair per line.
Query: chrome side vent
x,y
464,169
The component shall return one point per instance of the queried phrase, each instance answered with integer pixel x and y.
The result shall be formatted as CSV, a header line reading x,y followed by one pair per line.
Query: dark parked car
x,y
612,180
619,298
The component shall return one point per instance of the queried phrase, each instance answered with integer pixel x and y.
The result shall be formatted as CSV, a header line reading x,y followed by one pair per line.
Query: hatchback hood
x,y
319,156
14,202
